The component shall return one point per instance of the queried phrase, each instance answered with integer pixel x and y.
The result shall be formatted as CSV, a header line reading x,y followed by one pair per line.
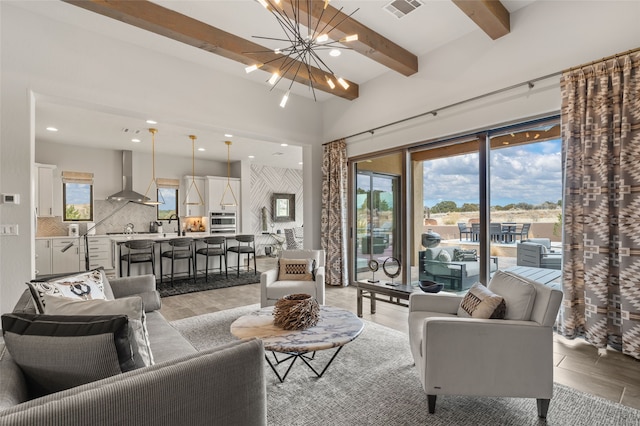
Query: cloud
x,y
525,173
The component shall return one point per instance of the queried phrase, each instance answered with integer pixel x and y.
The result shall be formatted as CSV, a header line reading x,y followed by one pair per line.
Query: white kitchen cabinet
x,y
43,257
68,261
189,184
100,253
44,190
215,187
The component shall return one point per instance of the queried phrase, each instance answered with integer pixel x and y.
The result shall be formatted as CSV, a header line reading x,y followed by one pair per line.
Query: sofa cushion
x,y
444,256
57,352
480,302
296,269
83,286
129,306
519,294
460,255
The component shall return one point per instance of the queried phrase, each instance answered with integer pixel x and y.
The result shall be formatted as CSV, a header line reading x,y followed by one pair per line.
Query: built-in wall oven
x,y
222,222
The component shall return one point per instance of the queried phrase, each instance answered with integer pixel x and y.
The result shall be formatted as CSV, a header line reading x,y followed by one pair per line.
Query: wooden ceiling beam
x,y
370,43
166,22
490,15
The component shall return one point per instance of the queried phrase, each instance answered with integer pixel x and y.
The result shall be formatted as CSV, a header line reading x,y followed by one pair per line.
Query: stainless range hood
x,y
127,193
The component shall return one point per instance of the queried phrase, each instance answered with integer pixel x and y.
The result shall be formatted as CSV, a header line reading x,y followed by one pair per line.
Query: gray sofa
x,y
455,275
224,385
537,253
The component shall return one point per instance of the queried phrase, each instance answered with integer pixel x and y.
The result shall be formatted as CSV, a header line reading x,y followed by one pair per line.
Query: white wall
x,y
546,37
48,58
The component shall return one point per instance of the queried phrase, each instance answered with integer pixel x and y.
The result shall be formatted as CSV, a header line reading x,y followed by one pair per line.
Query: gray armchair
x,y
511,357
537,253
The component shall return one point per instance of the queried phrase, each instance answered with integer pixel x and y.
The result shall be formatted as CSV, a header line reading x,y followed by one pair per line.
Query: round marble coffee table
x,y
336,328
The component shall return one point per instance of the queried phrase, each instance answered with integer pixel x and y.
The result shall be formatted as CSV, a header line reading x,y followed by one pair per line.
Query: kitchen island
x,y
161,241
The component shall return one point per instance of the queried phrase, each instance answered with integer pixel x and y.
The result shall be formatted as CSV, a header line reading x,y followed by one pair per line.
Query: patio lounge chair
x,y
464,229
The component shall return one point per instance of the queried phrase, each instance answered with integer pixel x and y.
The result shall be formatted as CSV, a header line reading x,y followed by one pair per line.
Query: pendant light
x,y
159,199
228,203
200,201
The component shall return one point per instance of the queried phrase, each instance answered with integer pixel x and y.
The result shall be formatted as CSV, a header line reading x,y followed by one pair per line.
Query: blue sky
x,y
78,193
525,173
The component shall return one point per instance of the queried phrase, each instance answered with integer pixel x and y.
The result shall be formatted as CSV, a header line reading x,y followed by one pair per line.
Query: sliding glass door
x,y
376,219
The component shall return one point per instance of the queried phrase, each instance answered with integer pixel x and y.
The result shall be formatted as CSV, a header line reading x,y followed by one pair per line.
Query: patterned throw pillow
x,y
460,255
297,270
83,286
480,302
57,352
444,256
129,306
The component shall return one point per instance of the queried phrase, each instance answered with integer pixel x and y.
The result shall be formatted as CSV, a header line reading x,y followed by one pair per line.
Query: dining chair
x,y
246,245
214,246
138,251
464,230
181,248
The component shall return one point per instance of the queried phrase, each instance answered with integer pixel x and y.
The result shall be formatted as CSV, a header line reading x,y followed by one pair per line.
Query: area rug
x,y
373,382
186,285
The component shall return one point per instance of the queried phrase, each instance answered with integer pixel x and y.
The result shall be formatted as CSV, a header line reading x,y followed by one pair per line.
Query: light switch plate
x,y
9,229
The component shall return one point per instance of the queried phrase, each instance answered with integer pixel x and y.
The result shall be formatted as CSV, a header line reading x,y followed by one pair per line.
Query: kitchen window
x,y
168,196
77,196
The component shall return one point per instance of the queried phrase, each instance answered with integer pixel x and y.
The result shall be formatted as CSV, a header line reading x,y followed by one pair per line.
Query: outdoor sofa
x,y
443,268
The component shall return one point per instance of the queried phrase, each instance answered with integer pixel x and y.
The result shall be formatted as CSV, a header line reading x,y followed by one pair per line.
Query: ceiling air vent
x,y
401,8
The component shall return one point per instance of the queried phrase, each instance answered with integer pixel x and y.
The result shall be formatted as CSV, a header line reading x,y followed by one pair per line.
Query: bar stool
x,y
139,251
214,247
181,248
247,249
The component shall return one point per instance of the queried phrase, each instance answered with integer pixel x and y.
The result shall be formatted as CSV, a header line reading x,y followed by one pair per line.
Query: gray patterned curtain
x,y
601,134
333,231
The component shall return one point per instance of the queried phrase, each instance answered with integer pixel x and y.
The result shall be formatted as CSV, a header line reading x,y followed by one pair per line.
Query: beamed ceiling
x,y
490,15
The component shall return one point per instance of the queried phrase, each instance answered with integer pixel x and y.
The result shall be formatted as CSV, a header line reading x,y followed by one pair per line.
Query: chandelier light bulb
x,y
331,83
322,38
343,83
284,100
352,37
252,68
274,78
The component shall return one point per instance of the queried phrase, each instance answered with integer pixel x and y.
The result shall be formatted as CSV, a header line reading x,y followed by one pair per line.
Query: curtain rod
x,y
434,112
606,58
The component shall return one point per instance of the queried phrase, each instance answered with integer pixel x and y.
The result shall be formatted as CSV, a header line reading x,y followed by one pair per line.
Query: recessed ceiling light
x,y
228,135
52,129
135,140
201,149
284,144
335,52
152,122
252,156
300,163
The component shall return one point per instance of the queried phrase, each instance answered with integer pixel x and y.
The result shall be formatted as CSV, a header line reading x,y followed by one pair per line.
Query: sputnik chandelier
x,y
303,41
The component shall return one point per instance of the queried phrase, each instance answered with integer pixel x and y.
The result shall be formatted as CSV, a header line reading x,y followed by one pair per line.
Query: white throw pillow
x,y
129,306
518,292
83,286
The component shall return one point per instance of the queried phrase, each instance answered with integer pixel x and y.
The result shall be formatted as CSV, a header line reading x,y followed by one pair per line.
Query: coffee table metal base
x,y
298,355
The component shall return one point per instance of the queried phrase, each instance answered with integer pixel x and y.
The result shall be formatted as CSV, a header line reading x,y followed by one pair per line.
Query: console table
x,y
396,293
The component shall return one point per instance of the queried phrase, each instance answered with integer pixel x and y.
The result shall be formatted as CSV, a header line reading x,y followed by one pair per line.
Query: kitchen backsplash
x,y
137,214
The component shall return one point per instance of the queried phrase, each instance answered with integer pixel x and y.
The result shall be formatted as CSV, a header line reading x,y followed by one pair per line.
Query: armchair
x,y
271,289
455,275
511,357
537,253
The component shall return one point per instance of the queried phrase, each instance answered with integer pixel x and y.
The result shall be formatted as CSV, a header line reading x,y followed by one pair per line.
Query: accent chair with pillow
x,y
494,341
298,271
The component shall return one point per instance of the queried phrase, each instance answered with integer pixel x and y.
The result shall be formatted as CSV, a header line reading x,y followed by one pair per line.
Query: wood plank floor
x,y
610,375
